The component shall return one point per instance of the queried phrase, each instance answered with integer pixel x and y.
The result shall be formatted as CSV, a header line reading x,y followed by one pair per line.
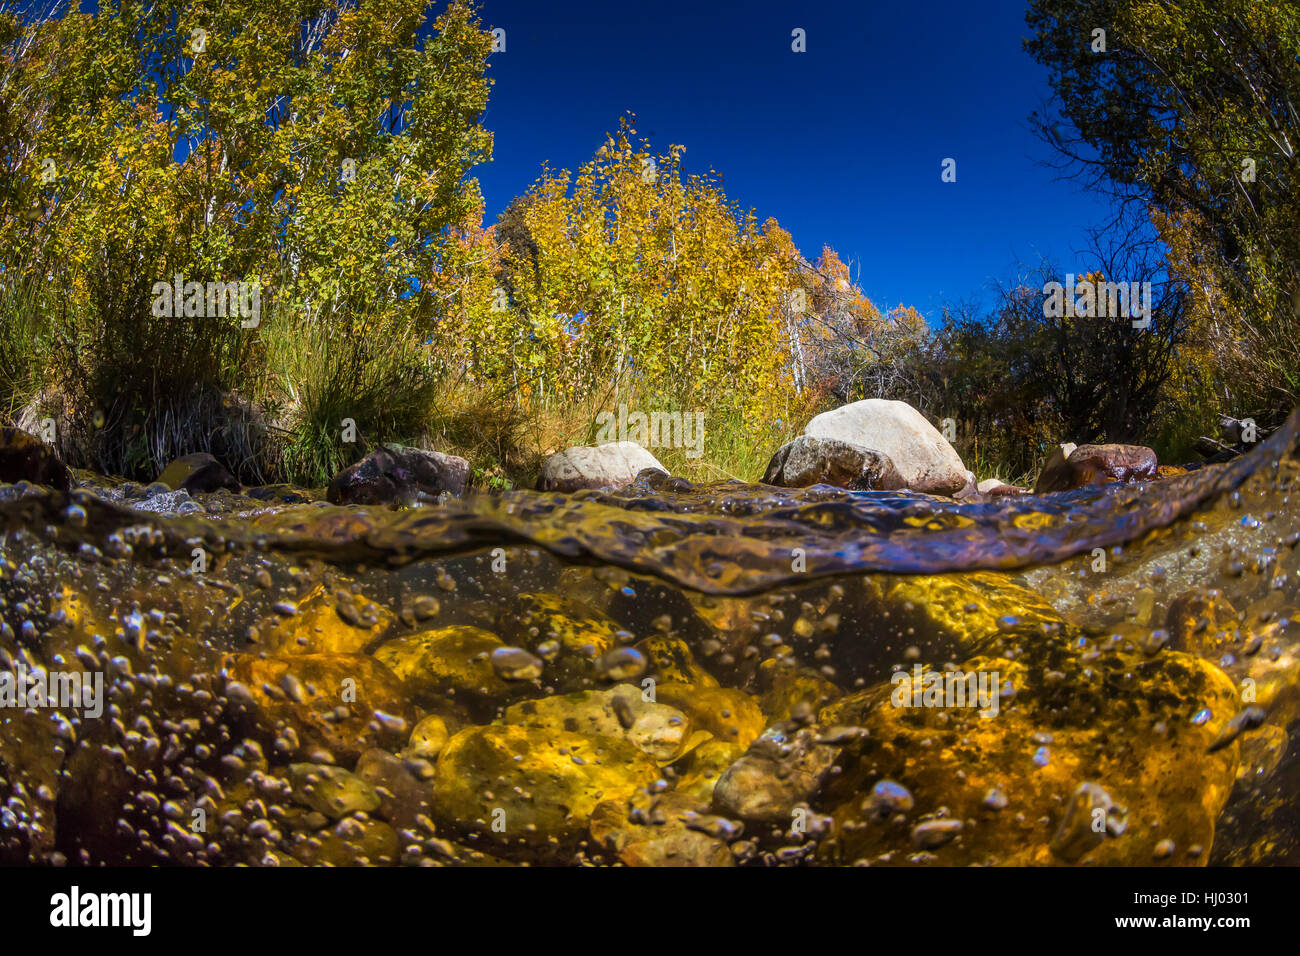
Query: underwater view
x,y
667,674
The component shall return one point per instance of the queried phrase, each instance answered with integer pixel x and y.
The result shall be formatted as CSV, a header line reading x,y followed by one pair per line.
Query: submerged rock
x,y
25,457
661,732
396,474
1077,727
728,713
564,632
699,771
670,830
403,787
923,458
670,660
453,661
325,623
783,768
787,687
822,461
428,738
196,473
532,789
322,702
332,791
612,465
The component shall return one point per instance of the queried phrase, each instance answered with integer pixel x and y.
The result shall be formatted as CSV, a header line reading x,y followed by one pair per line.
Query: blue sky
x,y
841,144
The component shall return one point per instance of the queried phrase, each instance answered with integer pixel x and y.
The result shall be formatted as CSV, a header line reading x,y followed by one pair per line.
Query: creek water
x,y
673,674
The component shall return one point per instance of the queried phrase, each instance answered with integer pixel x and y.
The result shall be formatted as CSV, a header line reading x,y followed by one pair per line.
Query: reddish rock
x,y
1096,465
395,474
1005,491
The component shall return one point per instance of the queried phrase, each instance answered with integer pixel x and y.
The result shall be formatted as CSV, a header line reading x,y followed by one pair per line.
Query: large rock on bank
x,y
396,474
924,459
612,465
811,461
1072,467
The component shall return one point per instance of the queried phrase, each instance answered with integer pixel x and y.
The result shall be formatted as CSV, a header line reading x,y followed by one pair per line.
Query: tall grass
x,y
330,378
23,339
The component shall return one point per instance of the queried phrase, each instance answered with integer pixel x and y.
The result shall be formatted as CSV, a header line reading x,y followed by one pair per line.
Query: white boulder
x,y
923,457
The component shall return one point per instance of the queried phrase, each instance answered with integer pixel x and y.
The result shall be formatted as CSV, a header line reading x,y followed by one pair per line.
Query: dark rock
x,y
1006,491
1055,472
1215,451
395,474
280,494
25,457
812,461
197,473
1096,465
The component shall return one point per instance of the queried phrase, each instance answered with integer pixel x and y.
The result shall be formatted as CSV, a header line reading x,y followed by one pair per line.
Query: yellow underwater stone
x,y
455,661
967,611
528,789
327,623
663,837
662,732
731,715
577,628
700,769
785,687
329,701
1138,727
671,661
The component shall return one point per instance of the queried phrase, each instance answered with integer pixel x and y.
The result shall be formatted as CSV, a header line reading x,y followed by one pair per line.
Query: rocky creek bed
x,y
666,674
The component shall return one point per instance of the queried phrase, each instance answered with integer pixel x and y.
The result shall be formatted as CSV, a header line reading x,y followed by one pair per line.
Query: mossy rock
x,y
662,838
453,661
731,715
530,792
699,771
1137,727
786,687
670,660
662,732
330,790
327,623
309,694
579,635
577,628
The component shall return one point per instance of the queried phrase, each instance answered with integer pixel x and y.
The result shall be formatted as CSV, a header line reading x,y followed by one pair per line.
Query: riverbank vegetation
x,y
327,154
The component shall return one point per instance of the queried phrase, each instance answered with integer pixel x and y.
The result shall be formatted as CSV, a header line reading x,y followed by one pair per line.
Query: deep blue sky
x,y
842,144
